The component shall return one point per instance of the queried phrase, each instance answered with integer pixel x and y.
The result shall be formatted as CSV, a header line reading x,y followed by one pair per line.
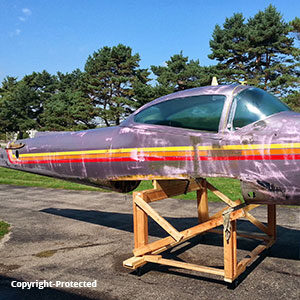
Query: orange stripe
x,y
271,151
111,155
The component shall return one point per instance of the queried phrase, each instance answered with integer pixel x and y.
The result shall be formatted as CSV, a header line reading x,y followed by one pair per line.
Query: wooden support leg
x,y
140,225
202,203
272,220
148,210
230,254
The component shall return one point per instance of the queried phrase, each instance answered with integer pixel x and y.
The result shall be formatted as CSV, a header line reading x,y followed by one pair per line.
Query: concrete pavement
x,y
60,235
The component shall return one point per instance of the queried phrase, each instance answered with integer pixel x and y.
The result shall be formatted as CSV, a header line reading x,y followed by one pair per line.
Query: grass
x,y
4,229
9,176
230,187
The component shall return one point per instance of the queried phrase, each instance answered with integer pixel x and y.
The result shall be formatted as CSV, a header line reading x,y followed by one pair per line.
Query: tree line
x,y
261,50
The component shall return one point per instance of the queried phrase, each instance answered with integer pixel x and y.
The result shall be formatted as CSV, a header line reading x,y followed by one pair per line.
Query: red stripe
x,y
253,157
168,158
9,158
117,159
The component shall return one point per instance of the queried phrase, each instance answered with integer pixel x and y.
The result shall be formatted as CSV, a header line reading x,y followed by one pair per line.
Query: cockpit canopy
x,y
204,112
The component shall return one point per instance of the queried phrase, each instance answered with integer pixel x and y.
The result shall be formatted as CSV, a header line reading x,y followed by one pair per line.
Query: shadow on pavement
x,y
287,244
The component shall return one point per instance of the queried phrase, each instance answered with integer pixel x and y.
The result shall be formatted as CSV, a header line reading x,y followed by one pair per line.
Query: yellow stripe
x,y
157,149
261,146
124,150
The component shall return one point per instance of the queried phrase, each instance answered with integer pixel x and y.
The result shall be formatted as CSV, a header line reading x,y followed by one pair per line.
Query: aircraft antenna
x,y
214,81
243,82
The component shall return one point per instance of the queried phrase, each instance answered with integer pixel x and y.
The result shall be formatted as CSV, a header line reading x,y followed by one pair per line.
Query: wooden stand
x,y
149,252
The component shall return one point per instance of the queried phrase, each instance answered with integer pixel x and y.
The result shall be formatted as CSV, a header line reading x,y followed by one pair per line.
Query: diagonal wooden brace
x,y
223,197
175,234
189,233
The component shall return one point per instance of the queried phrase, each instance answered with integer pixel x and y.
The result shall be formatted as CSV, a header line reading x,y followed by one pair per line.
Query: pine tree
x,y
293,99
111,74
19,109
295,24
259,51
8,84
272,65
44,85
180,73
68,108
229,46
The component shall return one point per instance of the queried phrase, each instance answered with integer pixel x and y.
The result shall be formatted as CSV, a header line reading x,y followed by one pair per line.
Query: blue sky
x,y
59,35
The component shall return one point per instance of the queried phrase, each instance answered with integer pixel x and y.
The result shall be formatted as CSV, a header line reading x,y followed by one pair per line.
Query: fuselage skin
x,y
264,155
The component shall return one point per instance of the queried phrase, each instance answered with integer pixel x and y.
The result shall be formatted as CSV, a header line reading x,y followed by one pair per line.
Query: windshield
x,y
254,104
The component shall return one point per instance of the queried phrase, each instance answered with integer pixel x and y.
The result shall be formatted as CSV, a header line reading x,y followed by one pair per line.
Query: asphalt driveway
x,y
79,236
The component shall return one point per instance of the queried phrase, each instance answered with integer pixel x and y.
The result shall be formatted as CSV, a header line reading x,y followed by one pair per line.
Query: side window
x,y
253,105
151,115
197,112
